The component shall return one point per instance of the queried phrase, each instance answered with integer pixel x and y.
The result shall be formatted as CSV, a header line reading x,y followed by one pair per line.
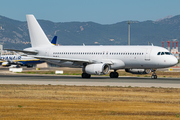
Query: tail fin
x,y
54,40
37,35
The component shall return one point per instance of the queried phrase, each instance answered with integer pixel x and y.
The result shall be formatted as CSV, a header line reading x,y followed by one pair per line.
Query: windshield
x,y
164,53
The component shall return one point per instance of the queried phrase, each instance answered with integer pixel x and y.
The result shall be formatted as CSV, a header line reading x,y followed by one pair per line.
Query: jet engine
x,y
138,71
5,64
97,69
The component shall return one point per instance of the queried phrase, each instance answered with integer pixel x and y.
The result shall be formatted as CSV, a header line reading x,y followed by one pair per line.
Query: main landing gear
x,y
154,76
85,75
114,74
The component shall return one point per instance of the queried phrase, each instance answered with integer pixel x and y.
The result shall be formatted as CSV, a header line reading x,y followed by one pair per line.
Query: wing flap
x,y
24,51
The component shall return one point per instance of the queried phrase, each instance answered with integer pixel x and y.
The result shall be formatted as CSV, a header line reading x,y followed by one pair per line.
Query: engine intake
x,y
97,69
138,71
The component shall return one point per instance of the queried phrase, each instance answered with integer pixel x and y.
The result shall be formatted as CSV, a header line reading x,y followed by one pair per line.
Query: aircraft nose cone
x,y
174,61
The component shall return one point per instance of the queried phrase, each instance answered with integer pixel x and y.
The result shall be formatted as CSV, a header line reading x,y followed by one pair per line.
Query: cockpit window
x,y
168,53
162,53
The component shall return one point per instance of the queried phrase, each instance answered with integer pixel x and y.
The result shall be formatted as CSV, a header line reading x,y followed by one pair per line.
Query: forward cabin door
x,y
147,54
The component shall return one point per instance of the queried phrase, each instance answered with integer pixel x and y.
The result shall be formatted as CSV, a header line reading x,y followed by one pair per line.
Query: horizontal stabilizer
x,y
24,51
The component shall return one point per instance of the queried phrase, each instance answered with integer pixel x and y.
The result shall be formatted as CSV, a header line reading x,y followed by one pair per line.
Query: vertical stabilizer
x,y
37,35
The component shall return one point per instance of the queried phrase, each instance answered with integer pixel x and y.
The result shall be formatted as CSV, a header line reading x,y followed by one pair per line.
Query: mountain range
x,y
14,34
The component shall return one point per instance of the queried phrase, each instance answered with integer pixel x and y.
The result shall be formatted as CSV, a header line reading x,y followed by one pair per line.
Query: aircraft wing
x,y
63,59
23,51
45,58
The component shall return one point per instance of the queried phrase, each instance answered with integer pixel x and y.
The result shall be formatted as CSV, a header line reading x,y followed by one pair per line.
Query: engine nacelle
x,y
97,69
138,71
5,64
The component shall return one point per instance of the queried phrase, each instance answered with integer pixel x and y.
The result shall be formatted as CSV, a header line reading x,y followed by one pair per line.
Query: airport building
x,y
5,52
1,49
174,50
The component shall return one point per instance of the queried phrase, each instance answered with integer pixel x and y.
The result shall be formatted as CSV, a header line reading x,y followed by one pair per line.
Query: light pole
x,y
129,22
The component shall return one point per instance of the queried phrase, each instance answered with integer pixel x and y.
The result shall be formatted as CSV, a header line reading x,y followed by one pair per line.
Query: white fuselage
x,y
132,56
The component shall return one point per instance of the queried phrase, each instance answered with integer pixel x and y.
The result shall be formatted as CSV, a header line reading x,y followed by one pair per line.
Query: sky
x,y
99,11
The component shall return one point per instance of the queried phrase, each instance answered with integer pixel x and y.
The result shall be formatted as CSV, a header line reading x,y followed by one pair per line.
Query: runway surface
x,y
93,81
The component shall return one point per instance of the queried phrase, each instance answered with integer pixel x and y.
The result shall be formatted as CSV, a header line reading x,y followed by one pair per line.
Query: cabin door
x,y
147,54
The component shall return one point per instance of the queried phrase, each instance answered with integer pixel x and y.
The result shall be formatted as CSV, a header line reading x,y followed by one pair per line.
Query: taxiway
x,y
93,81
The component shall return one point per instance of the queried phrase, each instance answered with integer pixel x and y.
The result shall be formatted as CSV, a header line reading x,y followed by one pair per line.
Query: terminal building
x,y
5,52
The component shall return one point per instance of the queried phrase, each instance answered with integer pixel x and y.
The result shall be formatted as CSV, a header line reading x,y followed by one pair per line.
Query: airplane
x,y
98,60
22,60
18,60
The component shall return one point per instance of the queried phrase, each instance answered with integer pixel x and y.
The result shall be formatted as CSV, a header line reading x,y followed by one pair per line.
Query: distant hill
x,y
14,34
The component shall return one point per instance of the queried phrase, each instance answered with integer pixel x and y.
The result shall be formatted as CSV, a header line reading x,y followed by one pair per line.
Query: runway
x,y
93,81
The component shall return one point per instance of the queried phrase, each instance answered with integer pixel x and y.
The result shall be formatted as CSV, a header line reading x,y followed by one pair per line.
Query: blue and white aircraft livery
x,y
18,60
8,60
98,60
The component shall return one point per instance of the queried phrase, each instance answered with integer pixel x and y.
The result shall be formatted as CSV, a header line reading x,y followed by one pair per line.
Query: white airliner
x,y
98,60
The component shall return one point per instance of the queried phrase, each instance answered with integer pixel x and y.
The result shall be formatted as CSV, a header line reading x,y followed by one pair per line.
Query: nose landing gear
x,y
154,76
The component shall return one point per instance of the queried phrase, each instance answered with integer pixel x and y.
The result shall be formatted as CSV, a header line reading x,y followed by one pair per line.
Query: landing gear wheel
x,y
114,75
85,75
29,66
154,76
